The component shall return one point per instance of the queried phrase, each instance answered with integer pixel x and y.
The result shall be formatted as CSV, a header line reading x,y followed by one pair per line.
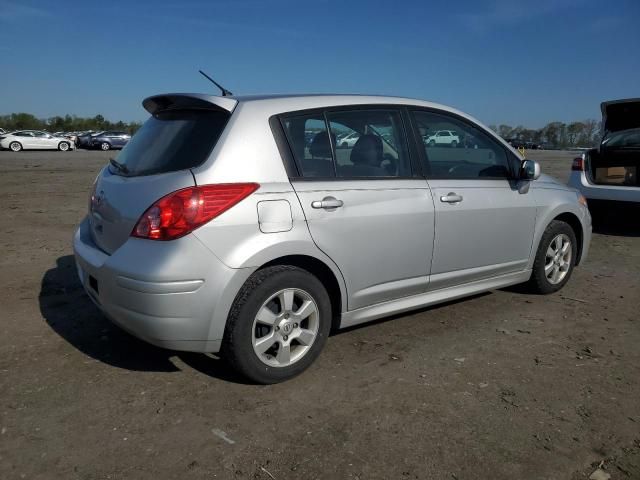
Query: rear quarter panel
x,y
247,152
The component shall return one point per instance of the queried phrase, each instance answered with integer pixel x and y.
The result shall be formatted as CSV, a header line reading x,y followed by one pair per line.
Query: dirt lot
x,y
502,385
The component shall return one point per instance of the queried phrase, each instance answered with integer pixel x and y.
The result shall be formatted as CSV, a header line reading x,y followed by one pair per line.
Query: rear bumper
x,y
175,295
592,191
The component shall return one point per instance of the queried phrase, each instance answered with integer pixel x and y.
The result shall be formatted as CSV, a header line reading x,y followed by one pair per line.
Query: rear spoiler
x,y
179,101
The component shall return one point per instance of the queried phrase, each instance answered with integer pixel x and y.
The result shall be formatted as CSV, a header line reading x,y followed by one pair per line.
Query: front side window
x,y
458,150
371,143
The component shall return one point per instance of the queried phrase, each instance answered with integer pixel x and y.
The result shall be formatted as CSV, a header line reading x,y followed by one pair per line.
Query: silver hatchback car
x,y
235,225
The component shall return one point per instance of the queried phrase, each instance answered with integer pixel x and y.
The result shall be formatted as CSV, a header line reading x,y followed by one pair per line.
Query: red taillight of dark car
x,y
179,213
578,164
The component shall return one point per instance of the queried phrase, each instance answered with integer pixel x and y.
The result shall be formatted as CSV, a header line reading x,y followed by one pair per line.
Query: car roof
x,y
280,103
320,100
269,105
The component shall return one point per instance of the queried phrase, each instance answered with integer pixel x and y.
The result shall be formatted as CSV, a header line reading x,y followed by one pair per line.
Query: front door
x,y
363,207
484,223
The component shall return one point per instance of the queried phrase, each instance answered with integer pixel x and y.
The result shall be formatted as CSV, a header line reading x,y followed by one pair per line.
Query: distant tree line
x,y
555,134
68,123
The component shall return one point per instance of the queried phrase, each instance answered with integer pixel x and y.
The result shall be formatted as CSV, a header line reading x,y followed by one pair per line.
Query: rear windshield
x,y
171,140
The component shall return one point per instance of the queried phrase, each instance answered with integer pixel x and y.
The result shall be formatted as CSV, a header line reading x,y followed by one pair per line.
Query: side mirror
x,y
529,170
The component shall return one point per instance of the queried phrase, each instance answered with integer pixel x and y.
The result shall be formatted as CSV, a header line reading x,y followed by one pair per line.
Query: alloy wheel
x,y
285,327
558,259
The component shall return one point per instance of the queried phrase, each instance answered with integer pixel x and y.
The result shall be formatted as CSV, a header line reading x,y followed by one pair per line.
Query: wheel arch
x,y
324,273
574,222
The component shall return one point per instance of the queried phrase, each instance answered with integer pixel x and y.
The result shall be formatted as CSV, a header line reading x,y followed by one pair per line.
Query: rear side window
x,y
370,143
307,135
172,140
366,143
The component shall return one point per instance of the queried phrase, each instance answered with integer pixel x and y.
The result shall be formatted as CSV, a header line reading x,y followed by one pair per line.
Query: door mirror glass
x,y
529,170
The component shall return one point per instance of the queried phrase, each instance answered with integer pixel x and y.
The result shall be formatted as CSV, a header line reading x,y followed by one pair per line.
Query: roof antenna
x,y
225,92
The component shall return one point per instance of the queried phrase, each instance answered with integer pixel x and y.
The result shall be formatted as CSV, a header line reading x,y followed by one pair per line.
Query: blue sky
x,y
503,61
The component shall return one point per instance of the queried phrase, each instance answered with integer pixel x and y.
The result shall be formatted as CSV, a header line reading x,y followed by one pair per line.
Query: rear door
x,y
364,207
180,135
483,223
26,139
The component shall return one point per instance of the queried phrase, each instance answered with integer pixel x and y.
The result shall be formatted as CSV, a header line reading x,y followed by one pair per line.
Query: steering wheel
x,y
460,166
390,164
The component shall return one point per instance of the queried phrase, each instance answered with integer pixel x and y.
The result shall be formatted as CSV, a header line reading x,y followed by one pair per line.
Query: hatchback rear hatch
x,y
617,160
180,134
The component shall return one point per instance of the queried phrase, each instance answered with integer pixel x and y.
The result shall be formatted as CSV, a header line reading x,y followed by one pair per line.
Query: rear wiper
x,y
120,166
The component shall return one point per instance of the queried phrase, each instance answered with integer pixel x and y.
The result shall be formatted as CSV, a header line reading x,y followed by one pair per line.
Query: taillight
x,y
578,164
182,211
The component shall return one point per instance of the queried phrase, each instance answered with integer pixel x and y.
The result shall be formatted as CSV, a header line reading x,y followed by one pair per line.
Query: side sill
x,y
401,305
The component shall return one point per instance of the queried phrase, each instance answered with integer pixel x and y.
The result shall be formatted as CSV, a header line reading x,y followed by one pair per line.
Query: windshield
x,y
171,140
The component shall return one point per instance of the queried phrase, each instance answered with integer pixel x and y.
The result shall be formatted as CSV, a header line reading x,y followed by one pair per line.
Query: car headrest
x,y
320,146
367,151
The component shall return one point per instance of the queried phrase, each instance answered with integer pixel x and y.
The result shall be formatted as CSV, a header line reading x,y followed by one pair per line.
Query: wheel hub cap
x,y
285,327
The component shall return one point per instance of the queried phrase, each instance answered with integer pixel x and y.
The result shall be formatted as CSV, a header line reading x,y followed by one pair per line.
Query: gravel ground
x,y
499,386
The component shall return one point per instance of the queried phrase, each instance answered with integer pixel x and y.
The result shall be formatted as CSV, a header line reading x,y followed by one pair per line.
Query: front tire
x,y
15,146
278,324
555,258
63,146
104,146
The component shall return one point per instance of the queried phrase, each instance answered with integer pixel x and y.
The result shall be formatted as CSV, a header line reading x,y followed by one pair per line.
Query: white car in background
x,y
34,140
443,137
348,141
609,175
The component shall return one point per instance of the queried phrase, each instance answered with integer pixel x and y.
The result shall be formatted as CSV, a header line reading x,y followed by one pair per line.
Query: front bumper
x,y
175,294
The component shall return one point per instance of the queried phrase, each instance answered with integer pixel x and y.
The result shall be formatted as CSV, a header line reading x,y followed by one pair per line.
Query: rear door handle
x,y
451,197
328,203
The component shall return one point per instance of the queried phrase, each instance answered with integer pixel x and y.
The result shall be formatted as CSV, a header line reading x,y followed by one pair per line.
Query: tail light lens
x,y
182,211
578,164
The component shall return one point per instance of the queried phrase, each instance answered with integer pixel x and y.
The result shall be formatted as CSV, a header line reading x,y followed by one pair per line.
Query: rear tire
x,y
15,146
552,267
63,146
104,146
259,318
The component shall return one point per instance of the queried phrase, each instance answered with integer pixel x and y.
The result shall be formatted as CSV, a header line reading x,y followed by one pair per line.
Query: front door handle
x,y
451,197
328,203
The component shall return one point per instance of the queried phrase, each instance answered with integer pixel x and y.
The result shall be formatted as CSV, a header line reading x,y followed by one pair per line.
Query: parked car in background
x,y
2,130
611,172
348,140
443,137
217,229
70,135
110,140
34,140
84,138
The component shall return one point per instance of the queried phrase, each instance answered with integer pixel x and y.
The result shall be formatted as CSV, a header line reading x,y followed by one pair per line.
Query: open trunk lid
x,y
618,115
180,134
